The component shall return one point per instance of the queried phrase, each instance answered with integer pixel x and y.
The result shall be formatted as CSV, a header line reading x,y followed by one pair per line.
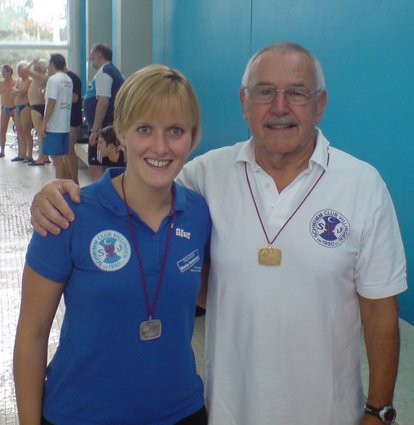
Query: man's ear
x,y
242,96
323,100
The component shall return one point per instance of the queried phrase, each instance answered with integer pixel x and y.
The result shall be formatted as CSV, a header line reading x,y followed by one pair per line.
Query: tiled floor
x,y
18,183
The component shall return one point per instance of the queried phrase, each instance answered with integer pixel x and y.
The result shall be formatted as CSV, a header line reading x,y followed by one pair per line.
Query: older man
x,y
37,71
296,267
99,102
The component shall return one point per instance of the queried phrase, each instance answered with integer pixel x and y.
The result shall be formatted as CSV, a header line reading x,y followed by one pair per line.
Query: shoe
x,y
17,158
28,159
36,164
2,155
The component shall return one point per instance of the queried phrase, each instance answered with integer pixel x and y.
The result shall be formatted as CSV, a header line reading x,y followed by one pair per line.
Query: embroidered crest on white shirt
x,y
329,228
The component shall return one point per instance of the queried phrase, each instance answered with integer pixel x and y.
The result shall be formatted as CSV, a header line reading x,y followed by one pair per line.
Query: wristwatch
x,y
387,414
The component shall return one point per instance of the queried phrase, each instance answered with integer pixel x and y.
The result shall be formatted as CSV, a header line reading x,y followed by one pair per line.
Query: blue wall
x,y
366,49
194,37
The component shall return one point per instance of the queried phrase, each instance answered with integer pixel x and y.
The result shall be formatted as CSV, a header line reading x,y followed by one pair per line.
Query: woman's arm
x,y
40,299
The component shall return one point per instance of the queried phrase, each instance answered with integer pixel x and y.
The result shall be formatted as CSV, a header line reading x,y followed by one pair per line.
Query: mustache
x,y
273,122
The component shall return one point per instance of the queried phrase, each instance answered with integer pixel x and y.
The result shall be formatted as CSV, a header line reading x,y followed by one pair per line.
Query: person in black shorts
x,y
75,123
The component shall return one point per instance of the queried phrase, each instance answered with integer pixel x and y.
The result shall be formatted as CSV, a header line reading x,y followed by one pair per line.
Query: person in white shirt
x,y
56,121
305,251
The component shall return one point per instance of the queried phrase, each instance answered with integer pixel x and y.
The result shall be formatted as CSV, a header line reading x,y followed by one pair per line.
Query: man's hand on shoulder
x,y
49,210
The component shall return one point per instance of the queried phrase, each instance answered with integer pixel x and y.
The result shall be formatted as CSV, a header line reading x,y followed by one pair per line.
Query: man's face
x,y
94,57
5,73
38,68
51,68
279,128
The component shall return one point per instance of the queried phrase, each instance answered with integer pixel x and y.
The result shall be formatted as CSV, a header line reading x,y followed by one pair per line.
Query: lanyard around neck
x,y
270,242
150,309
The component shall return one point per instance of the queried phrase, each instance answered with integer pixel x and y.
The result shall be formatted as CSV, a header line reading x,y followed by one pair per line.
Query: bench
x,y
81,150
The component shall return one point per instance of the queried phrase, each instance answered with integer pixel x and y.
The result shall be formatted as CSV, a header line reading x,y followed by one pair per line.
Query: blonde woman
x,y
129,270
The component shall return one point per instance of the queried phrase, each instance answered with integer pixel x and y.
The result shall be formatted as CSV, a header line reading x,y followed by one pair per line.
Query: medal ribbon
x,y
270,242
150,309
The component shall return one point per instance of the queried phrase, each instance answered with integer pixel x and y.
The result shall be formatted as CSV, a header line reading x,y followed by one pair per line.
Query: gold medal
x,y
273,256
270,256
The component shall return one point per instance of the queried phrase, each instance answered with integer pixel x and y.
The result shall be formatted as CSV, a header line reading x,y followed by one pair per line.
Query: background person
x,y
110,148
75,123
55,128
98,104
37,71
129,313
285,303
7,104
22,115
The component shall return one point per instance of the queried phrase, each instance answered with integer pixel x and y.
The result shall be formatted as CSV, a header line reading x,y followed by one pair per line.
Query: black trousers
x,y
197,418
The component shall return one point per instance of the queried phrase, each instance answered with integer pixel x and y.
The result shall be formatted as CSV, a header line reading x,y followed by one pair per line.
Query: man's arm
x,y
31,72
382,341
100,112
50,107
202,295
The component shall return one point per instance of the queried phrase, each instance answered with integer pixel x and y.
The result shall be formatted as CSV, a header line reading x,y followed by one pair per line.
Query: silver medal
x,y
150,329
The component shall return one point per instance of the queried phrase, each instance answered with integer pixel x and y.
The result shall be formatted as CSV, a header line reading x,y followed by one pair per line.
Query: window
x,y
33,29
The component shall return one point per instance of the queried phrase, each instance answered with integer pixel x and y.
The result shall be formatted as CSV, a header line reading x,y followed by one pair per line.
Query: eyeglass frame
x,y
275,91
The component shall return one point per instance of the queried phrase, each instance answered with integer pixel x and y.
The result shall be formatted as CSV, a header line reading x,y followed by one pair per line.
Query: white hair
x,y
288,46
21,64
42,65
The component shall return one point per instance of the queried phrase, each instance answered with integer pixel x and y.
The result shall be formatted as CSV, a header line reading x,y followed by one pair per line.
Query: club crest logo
x,y
110,250
329,228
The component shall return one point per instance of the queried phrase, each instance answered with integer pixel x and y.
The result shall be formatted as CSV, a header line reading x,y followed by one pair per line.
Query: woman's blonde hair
x,y
154,91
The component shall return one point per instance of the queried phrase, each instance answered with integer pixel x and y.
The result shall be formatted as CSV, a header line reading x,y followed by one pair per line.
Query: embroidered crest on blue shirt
x,y
188,261
329,228
110,250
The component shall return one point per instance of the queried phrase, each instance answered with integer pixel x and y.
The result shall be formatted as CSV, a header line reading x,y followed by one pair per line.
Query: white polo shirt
x,y
59,87
283,342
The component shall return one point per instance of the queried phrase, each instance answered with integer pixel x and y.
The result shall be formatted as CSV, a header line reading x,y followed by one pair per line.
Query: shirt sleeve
x,y
103,84
51,90
77,87
191,176
381,265
51,256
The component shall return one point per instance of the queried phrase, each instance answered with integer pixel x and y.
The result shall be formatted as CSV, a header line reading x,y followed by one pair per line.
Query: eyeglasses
x,y
294,95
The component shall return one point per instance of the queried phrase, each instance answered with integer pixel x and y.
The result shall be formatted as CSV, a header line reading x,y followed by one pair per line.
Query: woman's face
x,y
157,149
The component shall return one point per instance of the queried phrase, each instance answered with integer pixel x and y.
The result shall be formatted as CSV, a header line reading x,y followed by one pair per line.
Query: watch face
x,y
389,415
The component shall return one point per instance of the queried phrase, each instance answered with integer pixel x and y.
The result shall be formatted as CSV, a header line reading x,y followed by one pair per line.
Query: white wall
x,y
132,34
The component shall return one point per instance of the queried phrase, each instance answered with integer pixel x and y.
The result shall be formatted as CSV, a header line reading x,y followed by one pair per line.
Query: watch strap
x,y
383,413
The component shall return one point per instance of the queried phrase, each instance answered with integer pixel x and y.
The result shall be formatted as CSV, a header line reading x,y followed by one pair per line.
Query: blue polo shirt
x,y
102,372
90,100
